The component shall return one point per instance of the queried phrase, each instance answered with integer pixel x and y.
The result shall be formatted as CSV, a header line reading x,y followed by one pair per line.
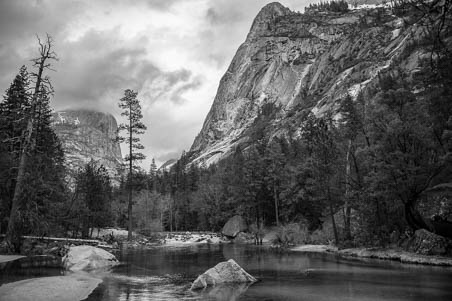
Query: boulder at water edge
x,y
234,225
224,272
428,243
88,258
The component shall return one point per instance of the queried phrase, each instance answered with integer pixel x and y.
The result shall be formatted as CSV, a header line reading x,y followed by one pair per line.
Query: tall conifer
x,y
133,127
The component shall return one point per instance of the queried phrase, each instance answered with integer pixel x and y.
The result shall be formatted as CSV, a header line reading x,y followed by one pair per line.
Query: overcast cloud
x,y
173,52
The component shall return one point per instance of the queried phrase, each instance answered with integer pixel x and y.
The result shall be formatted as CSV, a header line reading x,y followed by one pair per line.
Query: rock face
x,y
426,243
88,258
224,272
233,226
87,135
297,62
167,165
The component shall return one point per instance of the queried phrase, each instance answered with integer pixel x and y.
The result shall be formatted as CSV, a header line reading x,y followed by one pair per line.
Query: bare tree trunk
x,y
275,197
13,232
336,236
171,216
347,230
129,236
129,209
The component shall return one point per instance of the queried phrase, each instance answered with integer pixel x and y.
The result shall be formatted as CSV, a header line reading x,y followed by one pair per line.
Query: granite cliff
x,y
302,62
87,135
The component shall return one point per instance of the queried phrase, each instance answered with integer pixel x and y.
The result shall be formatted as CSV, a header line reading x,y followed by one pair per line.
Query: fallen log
x,y
88,241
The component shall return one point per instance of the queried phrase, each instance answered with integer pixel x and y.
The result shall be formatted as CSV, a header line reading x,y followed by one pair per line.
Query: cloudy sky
x,y
173,52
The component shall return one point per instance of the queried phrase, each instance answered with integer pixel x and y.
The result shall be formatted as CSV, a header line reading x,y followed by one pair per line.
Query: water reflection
x,y
166,273
224,292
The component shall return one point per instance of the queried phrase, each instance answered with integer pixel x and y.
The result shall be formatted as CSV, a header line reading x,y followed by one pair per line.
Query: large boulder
x,y
88,258
234,225
428,243
224,272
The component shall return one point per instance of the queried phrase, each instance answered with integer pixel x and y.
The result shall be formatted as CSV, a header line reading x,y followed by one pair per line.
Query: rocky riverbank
x,y
77,284
378,253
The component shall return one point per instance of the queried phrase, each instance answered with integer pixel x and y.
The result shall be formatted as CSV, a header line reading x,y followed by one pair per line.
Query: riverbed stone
x,y
234,225
63,288
224,272
88,258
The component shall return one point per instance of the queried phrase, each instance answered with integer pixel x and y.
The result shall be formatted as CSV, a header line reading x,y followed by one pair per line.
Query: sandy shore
x,y
74,287
384,254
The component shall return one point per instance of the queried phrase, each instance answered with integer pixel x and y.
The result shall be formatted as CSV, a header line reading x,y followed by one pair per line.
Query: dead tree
x,y
42,83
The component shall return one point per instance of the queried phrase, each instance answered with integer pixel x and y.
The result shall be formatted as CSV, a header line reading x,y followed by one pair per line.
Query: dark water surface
x,y
165,273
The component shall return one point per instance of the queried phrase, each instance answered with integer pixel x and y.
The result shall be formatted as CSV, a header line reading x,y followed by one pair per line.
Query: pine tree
x,y
94,194
407,158
153,176
13,109
12,239
275,165
318,134
132,111
46,172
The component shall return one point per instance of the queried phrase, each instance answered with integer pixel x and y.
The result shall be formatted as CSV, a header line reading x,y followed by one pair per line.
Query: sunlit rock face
x,y
87,135
300,62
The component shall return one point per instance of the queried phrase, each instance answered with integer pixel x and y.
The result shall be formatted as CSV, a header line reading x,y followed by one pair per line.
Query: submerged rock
x,y
88,258
224,272
234,225
63,288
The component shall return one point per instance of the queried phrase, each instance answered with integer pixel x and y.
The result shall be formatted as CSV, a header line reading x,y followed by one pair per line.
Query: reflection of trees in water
x,y
121,287
258,260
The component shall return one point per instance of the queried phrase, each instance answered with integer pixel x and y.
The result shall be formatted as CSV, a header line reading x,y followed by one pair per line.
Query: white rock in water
x,y
88,258
224,272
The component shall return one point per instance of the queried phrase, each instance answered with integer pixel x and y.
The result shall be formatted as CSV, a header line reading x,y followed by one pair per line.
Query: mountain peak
x,y
85,135
275,7
265,17
294,63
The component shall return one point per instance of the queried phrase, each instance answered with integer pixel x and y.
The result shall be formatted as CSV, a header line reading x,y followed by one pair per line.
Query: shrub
x,y
291,234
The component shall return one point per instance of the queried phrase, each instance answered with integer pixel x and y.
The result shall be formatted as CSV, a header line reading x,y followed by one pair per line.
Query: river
x,y
165,273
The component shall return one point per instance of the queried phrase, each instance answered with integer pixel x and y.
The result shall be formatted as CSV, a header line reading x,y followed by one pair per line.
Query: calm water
x,y
165,273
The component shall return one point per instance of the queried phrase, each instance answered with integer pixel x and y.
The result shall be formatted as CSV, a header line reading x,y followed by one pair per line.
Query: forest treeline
x,y
339,6
378,168
381,170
